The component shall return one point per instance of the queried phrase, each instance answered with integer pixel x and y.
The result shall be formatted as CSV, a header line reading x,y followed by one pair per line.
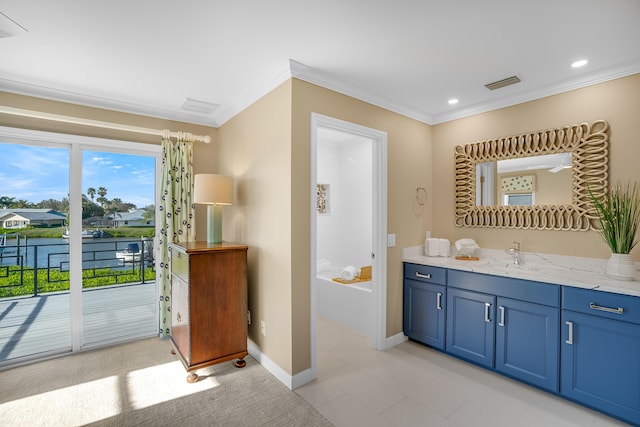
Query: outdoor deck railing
x,y
27,269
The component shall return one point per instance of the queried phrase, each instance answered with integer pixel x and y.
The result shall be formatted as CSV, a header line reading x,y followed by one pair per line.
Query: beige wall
x,y
255,148
617,101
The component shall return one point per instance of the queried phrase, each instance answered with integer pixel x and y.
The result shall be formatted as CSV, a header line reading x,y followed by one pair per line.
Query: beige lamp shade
x,y
211,189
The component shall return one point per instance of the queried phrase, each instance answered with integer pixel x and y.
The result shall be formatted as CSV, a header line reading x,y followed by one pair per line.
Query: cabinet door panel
x,y
180,317
527,342
424,312
601,368
470,330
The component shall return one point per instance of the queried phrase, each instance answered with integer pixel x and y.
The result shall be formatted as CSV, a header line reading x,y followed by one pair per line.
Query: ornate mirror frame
x,y
589,145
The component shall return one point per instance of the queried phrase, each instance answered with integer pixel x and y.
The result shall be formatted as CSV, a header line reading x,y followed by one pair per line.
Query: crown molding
x,y
225,113
311,75
293,69
588,79
52,94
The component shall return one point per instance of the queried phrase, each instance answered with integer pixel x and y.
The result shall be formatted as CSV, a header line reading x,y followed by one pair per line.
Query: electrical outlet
x,y
263,328
248,317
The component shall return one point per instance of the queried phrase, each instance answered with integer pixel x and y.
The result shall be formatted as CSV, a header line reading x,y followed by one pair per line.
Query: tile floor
x,y
412,385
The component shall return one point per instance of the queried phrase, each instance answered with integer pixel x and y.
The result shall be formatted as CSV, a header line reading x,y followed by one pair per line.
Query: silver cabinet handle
x,y
501,323
595,306
439,301
423,276
570,338
487,307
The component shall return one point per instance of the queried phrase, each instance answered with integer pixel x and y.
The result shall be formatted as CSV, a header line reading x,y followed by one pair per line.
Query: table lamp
x,y
214,191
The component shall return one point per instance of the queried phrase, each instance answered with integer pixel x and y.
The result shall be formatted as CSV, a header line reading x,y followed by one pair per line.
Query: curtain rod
x,y
96,123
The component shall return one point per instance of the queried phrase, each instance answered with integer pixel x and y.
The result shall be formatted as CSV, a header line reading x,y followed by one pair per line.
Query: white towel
x,y
444,247
348,273
432,247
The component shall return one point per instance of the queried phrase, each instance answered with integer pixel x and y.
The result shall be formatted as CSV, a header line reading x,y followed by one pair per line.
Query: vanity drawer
x,y
602,304
425,273
520,289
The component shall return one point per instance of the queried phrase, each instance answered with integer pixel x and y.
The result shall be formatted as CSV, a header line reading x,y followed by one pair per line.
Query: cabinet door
x,y
180,317
527,342
470,330
601,364
424,312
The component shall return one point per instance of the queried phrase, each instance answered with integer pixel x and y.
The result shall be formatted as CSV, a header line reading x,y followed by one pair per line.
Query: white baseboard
x,y
394,340
306,376
283,376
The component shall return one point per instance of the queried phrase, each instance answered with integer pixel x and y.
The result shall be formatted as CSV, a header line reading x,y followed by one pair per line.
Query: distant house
x,y
135,218
22,218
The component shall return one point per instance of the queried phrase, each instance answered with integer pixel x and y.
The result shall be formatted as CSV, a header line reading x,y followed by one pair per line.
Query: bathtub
x,y
349,305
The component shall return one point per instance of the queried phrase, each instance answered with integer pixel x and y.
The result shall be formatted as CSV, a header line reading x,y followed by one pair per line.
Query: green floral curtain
x,y
176,213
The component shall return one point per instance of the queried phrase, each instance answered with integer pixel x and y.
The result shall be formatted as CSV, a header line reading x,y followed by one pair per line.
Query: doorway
x,y
348,226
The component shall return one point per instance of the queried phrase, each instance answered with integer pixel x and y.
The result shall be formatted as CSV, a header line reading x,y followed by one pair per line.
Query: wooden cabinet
x,y
601,352
208,303
424,299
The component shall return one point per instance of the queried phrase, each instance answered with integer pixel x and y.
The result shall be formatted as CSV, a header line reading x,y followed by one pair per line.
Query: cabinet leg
x,y
240,363
192,378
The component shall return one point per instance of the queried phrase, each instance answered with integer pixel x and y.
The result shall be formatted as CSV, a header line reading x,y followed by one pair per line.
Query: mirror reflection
x,y
528,181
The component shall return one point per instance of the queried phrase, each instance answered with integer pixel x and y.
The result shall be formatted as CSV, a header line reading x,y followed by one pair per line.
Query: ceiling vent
x,y
199,106
502,83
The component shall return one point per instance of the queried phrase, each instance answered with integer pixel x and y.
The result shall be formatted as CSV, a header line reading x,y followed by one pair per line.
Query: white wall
x,y
344,234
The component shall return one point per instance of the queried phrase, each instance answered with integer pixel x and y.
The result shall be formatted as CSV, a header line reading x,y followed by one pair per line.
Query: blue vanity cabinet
x,y
424,299
528,342
601,351
470,330
510,325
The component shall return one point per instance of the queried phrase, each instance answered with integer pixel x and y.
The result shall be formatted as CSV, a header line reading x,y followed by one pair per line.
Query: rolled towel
x,y
444,247
432,247
348,273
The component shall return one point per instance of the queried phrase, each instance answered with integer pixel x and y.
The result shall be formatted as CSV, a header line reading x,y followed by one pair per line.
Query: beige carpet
x,y
142,384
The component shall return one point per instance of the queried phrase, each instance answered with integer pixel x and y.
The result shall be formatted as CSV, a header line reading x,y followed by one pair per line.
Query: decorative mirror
x,y
533,181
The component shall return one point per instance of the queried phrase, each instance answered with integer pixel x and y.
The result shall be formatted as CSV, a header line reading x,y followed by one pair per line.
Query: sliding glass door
x,y
77,226
118,228
34,276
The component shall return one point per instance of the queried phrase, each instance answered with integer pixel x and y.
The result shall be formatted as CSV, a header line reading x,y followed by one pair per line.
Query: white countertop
x,y
580,272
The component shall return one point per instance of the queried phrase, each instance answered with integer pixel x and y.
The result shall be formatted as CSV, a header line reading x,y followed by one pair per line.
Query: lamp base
x,y
214,224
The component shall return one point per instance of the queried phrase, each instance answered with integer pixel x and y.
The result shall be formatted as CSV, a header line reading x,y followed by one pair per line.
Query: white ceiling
x,y
149,56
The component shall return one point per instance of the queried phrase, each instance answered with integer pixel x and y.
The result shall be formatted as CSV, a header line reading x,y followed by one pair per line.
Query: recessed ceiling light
x,y
453,101
580,63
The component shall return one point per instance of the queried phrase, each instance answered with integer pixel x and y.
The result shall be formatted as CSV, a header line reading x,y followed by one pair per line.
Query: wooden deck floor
x,y
36,325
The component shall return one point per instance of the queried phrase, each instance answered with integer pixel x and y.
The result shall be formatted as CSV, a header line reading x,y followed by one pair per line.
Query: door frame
x,y
379,224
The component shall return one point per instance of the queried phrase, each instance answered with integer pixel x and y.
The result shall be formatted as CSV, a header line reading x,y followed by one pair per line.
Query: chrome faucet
x,y
514,251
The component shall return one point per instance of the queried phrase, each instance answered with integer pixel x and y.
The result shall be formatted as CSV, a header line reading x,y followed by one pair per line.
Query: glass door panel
x,y
34,256
118,227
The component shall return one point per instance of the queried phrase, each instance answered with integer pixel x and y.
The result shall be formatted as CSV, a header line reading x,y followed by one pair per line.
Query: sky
x,y
39,173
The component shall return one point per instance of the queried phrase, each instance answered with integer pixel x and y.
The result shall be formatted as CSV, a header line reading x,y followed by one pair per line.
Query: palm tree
x,y
6,201
102,192
21,203
91,192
